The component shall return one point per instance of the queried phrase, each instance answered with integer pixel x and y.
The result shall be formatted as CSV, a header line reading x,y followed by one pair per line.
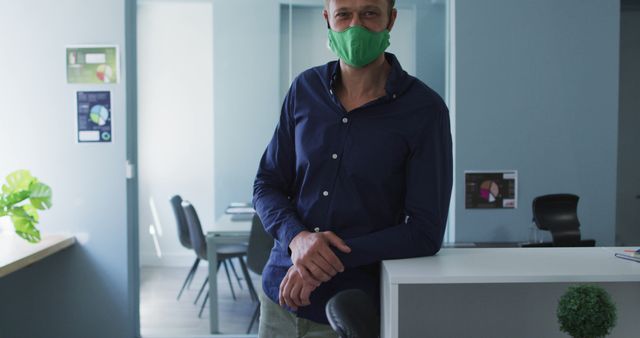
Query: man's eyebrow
x,y
365,8
341,9
370,7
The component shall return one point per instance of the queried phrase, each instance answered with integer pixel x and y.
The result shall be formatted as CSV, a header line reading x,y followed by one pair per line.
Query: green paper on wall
x,y
92,64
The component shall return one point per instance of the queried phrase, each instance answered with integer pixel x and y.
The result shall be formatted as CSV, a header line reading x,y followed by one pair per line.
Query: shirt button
x,y
345,120
316,229
331,91
334,156
394,96
325,193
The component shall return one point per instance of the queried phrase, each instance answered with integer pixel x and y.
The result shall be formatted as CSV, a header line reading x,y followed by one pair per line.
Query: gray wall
x,y
503,310
537,91
83,291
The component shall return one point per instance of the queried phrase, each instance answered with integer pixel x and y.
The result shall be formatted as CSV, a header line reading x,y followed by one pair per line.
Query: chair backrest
x,y
181,221
558,214
195,230
260,245
352,314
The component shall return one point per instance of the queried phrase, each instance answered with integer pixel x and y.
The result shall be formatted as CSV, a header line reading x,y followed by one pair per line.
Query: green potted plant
x,y
586,311
20,199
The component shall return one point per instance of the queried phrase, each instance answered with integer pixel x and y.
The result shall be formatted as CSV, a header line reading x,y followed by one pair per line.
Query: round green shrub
x,y
586,311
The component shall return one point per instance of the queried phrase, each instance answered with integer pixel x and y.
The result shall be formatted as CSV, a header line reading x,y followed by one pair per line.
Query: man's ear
x,y
392,18
326,17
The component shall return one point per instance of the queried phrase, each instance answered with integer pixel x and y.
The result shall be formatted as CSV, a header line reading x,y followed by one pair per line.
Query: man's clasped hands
x,y
314,262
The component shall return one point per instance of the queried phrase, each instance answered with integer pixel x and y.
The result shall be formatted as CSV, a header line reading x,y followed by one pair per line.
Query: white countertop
x,y
514,265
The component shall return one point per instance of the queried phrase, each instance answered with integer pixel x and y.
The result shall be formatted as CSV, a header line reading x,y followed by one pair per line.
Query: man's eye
x,y
370,13
341,15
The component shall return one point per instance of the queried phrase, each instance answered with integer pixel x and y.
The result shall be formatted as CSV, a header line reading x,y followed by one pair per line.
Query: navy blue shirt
x,y
378,176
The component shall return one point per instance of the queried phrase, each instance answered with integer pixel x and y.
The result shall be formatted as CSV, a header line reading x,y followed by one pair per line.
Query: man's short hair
x,y
392,3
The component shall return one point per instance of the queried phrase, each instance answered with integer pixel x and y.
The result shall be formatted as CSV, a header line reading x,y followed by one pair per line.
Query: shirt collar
x,y
397,82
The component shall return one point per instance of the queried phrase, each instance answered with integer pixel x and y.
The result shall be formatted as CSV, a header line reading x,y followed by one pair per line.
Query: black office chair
x,y
352,315
558,213
260,244
224,252
183,235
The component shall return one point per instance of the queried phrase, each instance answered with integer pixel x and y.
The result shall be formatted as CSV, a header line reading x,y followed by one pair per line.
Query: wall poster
x,y
94,116
491,189
92,64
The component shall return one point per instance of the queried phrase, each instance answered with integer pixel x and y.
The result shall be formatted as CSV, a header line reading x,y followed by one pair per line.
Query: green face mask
x,y
358,46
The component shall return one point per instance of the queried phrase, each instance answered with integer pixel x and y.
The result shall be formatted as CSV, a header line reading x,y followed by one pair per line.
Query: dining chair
x,y
260,245
183,236
185,240
224,252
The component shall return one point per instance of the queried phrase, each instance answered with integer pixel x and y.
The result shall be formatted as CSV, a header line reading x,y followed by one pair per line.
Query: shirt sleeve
x,y
274,181
428,191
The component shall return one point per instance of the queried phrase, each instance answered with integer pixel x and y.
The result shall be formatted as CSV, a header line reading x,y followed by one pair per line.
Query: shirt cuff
x,y
288,231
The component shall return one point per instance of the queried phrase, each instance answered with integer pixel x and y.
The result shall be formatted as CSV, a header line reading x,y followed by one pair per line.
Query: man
x,y
359,170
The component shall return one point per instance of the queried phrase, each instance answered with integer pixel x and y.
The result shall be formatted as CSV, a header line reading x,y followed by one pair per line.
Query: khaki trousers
x,y
276,322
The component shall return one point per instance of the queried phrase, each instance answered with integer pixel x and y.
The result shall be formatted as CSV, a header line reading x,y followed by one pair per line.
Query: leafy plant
x,y
586,311
21,198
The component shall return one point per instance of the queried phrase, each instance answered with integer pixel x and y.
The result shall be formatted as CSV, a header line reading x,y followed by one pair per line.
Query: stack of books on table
x,y
240,211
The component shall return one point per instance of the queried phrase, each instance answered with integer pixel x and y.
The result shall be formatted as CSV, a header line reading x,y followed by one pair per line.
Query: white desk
x,y
16,253
493,281
224,231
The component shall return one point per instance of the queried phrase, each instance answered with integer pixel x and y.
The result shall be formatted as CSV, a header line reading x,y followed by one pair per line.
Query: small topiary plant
x,y
586,311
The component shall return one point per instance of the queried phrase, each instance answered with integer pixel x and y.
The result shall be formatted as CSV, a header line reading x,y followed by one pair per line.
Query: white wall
x,y
246,91
175,128
83,291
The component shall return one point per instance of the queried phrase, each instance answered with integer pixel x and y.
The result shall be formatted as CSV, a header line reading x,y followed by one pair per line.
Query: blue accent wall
x,y
537,91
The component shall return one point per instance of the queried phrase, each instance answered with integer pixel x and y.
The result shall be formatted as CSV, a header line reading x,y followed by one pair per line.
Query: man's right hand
x,y
312,255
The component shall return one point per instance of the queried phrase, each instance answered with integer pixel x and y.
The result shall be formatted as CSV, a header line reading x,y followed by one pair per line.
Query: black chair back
x,y
260,244
195,230
558,213
181,221
352,315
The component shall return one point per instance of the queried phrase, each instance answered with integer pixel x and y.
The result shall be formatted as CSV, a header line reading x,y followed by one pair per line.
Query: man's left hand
x,y
294,291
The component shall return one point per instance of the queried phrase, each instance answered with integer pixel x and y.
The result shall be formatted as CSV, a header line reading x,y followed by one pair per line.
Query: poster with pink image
x,y
490,189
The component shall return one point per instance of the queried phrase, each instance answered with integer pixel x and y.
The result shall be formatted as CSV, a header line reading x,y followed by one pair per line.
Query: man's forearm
x,y
277,214
401,241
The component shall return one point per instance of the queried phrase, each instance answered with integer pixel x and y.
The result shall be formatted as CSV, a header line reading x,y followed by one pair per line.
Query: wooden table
x,y
501,292
225,231
16,253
